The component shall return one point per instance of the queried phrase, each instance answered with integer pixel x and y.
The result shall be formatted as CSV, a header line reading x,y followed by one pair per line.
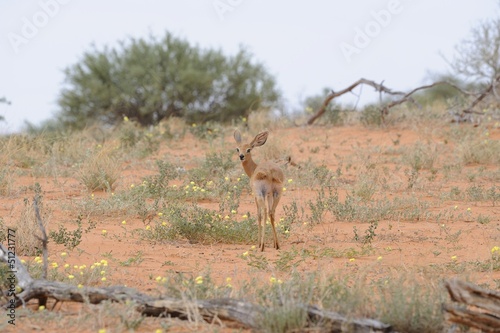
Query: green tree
x,y
148,80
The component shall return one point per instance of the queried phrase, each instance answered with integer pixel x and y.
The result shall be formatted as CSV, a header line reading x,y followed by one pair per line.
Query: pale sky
x,y
306,45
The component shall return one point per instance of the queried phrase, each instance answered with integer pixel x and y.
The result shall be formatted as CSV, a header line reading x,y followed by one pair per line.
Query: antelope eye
x,y
238,150
248,150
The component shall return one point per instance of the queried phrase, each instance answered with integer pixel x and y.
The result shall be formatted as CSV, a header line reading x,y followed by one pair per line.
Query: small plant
x,y
134,260
371,116
99,172
255,260
71,239
369,235
28,233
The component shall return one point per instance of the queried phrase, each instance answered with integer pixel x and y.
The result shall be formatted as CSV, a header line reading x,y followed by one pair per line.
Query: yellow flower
x,y
245,216
468,209
124,222
80,286
102,330
456,206
125,119
379,258
158,278
164,223
495,249
66,265
253,247
82,267
103,272
284,189
104,232
23,261
454,258
148,227
63,254
352,259
199,279
71,276
103,279
272,279
159,330
132,186
245,253
233,211
160,214
193,125
41,308
290,180
55,265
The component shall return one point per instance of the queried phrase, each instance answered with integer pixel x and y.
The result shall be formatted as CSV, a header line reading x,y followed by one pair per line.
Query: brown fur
x,y
266,180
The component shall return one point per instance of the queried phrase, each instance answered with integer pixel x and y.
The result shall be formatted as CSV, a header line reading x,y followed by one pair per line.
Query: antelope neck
x,y
249,166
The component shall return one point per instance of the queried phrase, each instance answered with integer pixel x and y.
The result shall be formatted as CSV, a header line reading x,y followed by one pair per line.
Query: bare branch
x,y
405,97
482,96
44,238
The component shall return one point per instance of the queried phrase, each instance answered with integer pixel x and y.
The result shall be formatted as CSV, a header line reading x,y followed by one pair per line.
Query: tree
x,y
478,56
148,80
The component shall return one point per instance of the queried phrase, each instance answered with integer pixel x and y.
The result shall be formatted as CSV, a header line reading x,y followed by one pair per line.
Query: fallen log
x,y
225,309
474,306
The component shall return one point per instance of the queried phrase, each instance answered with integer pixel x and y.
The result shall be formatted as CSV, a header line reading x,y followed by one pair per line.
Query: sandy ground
x,y
398,245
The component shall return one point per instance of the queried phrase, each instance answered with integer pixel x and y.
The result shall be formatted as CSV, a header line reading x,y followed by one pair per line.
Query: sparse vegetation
x,y
175,197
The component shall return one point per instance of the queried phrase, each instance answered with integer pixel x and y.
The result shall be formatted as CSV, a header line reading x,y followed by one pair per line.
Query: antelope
x,y
266,180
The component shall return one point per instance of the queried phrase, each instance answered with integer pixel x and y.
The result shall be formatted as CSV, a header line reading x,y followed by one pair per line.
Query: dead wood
x,y
481,96
474,306
403,97
225,309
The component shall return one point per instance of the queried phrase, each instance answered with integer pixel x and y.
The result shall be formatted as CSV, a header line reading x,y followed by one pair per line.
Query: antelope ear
x,y
259,139
237,136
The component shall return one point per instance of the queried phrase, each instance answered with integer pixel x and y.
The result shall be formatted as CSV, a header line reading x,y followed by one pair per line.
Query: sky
x,y
306,45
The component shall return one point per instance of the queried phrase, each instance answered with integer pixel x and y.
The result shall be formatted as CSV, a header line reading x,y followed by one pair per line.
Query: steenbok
x,y
266,180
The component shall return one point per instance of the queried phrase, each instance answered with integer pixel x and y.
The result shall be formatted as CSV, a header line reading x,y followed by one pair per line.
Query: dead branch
x,y
405,97
44,239
477,307
485,93
378,87
226,309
